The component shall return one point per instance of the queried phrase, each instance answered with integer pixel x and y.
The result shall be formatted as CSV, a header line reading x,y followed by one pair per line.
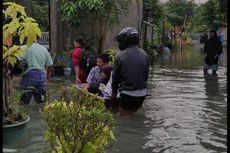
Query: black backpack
x,y
88,60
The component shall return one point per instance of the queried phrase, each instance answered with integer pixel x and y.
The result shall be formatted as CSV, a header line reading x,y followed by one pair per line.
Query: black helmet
x,y
127,36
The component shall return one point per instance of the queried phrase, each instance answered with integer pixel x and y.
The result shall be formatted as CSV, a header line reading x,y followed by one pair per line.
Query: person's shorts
x,y
213,67
131,103
34,84
112,105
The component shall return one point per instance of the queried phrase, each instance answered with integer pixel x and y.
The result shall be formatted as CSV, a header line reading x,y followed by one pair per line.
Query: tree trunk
x,y
53,28
100,41
102,30
171,37
6,91
69,38
5,104
152,37
180,41
175,37
145,29
163,36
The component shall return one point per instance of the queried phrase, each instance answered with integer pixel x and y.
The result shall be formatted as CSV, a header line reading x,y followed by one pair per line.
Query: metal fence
x,y
44,40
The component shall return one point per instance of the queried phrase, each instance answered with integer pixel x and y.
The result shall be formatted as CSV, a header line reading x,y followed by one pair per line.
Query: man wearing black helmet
x,y
130,72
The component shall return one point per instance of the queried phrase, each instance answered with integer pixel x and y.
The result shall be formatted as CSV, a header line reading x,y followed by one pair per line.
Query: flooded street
x,y
185,112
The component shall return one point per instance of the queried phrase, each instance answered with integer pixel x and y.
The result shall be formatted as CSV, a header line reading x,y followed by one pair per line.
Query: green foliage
x,y
187,38
26,27
197,23
210,15
153,10
16,97
102,10
213,14
17,112
15,106
189,41
78,123
175,10
15,21
150,50
40,12
112,55
102,13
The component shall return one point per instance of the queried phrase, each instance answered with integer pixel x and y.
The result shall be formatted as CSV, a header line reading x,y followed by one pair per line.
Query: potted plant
x,y
68,60
77,122
62,64
15,22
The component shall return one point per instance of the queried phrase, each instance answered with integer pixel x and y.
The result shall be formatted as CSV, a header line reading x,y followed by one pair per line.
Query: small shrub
x,y
78,123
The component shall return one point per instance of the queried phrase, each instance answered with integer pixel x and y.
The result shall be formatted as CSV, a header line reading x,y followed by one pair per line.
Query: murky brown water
x,y
185,112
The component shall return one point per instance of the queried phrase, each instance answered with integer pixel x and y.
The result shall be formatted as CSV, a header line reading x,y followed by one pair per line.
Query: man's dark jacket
x,y
130,71
212,48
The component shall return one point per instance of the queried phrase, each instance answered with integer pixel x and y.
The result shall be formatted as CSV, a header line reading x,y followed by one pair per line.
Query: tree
x,y
210,15
197,23
215,13
152,13
40,11
176,11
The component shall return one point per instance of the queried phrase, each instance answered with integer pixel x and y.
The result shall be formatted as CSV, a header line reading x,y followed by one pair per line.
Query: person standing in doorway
x,y
34,79
130,72
212,49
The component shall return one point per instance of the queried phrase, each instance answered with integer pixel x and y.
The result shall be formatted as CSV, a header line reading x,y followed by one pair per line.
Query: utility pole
x,y
187,18
181,41
163,32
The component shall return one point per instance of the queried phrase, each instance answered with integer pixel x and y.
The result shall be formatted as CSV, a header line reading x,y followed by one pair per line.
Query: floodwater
x,y
185,112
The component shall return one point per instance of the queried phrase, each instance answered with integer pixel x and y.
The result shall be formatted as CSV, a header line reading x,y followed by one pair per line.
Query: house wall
x,y
59,31
132,18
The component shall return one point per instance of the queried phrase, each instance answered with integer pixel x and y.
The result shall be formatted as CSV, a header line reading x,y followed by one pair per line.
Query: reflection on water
x,y
215,114
211,86
185,112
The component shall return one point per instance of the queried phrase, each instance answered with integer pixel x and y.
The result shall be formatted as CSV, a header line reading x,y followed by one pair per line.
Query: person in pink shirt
x,y
76,57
